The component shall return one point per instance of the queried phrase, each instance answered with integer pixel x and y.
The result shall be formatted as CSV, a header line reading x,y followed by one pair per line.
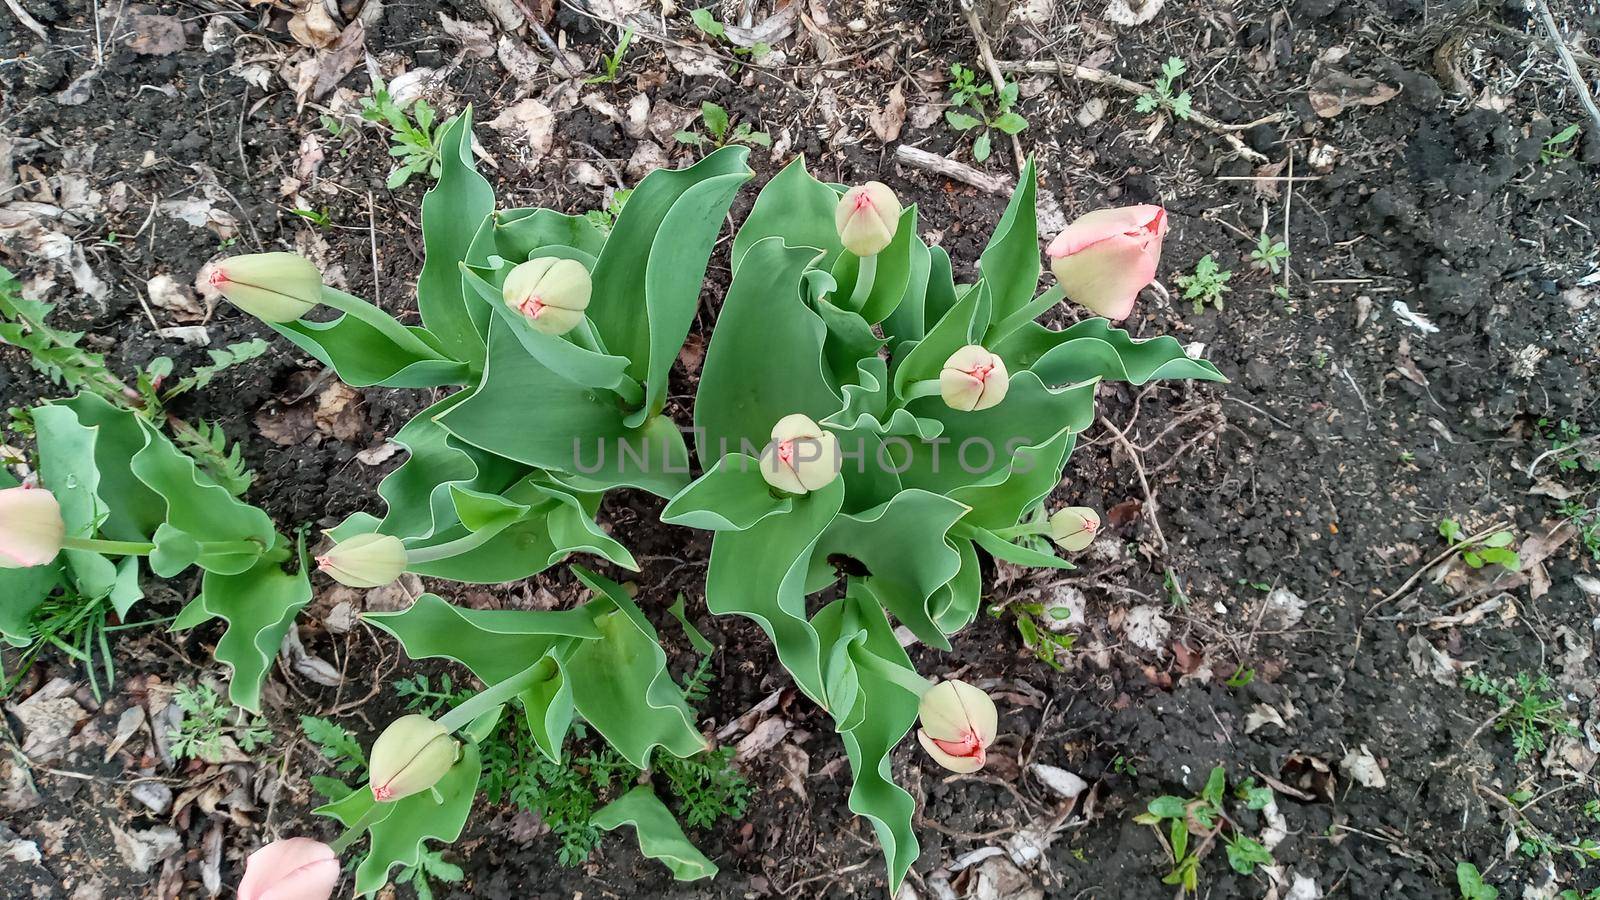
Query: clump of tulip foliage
x,y
865,425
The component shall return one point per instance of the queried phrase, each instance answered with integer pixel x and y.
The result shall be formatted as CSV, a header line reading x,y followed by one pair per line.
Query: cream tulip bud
x,y
31,528
867,217
365,561
273,287
958,725
1074,527
802,457
552,293
973,379
411,755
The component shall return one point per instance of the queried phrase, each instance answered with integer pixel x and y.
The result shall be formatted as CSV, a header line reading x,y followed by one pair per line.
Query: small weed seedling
x,y
989,111
1573,894
1124,766
1204,817
1161,97
605,219
711,28
717,125
1567,446
1493,550
1037,636
1470,882
207,720
613,61
1269,253
1574,455
319,218
431,866
414,138
1207,285
1560,145
1527,709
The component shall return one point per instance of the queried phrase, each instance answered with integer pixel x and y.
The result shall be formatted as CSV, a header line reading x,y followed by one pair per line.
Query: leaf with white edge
x,y
732,496
259,606
660,836
451,212
797,208
1094,348
364,346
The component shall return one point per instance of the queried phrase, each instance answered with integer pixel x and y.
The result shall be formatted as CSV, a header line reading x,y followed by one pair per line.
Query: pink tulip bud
x,y
867,217
411,755
802,457
273,287
31,529
1074,527
1104,258
290,869
365,561
552,293
973,379
958,725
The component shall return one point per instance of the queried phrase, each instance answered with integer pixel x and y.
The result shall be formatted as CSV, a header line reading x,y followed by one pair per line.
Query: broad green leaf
x,y
259,606
366,347
954,330
201,508
1010,123
67,467
660,836
494,643
797,208
764,360
1094,349
961,121
732,496
1010,264
418,492
647,279
1000,548
132,511
451,212
849,340
518,233
956,604
1033,473
548,704
906,322
982,147
399,837
22,590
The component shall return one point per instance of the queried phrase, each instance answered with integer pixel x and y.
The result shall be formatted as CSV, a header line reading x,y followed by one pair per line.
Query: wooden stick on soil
x,y
1101,76
986,54
918,158
1570,64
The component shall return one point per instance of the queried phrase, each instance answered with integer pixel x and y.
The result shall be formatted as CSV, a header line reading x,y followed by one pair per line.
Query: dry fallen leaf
x,y
1363,768
1336,91
476,40
528,123
339,414
155,35
887,122
1146,628
312,26
166,293
1132,12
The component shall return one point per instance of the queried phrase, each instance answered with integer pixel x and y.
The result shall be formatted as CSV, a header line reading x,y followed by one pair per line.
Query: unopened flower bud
x,y
411,755
866,218
973,379
1074,527
365,561
273,287
31,528
1105,257
552,293
290,869
958,725
802,457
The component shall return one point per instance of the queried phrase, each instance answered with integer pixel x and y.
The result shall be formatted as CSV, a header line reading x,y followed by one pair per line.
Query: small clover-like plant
x,y
1469,881
1193,825
414,137
613,60
985,110
1491,550
1269,253
1162,94
1206,284
720,132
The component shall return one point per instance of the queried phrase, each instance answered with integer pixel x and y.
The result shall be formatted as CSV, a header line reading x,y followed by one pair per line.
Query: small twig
x,y
986,54
1555,450
372,234
949,168
1101,76
1570,64
1144,482
28,22
1446,554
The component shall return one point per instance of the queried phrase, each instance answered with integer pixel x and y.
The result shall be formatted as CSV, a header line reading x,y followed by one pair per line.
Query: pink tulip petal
x,y
290,869
1101,224
1108,276
964,765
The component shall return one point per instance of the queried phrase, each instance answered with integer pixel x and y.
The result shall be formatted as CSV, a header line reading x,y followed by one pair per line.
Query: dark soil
x,y
1323,468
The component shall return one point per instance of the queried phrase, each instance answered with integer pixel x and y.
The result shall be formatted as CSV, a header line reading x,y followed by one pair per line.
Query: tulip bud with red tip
x,y
273,287
365,561
411,755
1074,527
31,528
958,725
973,379
1104,258
867,217
551,293
290,869
802,457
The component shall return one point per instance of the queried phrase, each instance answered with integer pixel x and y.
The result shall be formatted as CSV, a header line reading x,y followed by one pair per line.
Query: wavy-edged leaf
x,y
955,604
796,207
1094,349
1010,264
22,590
1034,472
451,213
660,836
1000,548
518,233
494,643
364,346
67,467
200,507
418,492
732,496
259,606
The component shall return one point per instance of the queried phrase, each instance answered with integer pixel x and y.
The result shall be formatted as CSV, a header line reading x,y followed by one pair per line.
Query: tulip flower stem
x,y
490,697
110,548
374,814
1039,528
916,390
901,676
865,276
449,549
1007,326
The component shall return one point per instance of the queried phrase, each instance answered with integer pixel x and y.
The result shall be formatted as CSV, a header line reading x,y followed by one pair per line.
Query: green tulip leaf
x,y
67,468
201,508
419,493
732,496
1094,349
925,359
849,340
1033,473
955,604
660,836
519,233
797,208
1000,548
1010,263
131,510
23,590
364,346
451,212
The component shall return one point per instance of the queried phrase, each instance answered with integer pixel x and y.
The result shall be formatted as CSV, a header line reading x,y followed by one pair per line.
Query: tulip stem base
x,y
865,276
1040,528
916,390
109,548
376,813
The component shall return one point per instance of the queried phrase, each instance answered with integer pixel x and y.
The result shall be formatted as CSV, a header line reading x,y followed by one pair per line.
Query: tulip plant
x,y
904,422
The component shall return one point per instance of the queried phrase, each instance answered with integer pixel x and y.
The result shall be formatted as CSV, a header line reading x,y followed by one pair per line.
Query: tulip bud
x,y
1074,527
866,218
273,287
31,529
973,379
365,561
411,755
1104,258
958,725
802,457
552,293
290,869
